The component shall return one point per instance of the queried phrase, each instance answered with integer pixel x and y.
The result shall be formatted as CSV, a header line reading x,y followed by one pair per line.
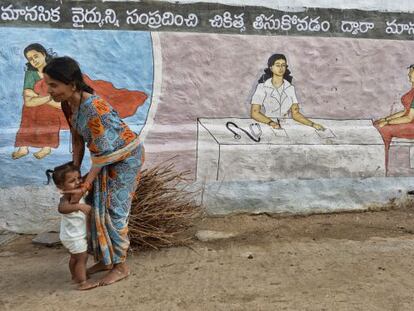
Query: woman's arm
x,y
390,117
298,117
257,115
54,104
395,115
78,146
256,105
402,119
93,172
32,99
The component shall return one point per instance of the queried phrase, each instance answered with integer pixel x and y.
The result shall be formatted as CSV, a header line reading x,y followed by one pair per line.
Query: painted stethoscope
x,y
255,129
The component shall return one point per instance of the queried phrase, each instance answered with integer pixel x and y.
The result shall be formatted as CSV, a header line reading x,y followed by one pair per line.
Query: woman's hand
x,y
274,125
377,122
381,123
318,127
54,104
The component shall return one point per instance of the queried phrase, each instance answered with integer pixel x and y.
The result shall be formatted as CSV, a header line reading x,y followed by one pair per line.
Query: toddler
x,y
73,226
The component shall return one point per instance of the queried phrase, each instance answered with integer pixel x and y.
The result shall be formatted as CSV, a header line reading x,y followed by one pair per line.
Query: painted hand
x,y
376,122
275,125
318,127
382,123
54,104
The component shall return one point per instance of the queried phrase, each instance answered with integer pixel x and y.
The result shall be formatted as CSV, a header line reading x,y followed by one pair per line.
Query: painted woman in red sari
x,y
400,124
42,118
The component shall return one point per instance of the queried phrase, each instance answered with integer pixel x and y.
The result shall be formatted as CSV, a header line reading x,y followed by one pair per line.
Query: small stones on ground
x,y
248,255
210,235
7,254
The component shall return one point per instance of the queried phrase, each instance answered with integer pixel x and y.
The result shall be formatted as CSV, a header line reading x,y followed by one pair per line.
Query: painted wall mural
x,y
34,131
42,118
233,93
338,86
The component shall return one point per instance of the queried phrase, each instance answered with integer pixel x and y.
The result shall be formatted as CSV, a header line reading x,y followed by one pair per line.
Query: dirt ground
x,y
348,261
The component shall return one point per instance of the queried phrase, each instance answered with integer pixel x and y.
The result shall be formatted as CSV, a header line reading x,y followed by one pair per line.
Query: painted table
x,y
347,148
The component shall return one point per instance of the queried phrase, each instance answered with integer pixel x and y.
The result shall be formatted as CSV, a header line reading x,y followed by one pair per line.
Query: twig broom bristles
x,y
162,209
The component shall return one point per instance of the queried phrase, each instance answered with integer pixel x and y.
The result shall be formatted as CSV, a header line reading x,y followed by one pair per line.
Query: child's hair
x,y
59,172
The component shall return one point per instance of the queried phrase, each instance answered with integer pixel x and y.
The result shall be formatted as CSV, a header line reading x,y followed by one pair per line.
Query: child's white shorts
x,y
76,246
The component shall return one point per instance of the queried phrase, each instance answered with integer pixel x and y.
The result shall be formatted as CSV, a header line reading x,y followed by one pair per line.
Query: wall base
x,y
304,196
33,210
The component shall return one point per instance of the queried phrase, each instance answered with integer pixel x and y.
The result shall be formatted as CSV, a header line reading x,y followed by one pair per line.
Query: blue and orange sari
x,y
120,154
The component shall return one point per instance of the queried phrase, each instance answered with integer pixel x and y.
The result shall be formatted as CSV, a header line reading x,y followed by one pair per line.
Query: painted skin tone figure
x,y
402,116
36,56
399,124
277,71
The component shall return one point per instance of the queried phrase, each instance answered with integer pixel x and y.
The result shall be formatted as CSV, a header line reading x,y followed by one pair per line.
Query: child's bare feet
x,y
85,285
98,267
118,273
76,281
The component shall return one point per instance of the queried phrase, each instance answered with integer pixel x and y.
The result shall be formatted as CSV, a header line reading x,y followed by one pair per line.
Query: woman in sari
x,y
42,117
117,156
399,124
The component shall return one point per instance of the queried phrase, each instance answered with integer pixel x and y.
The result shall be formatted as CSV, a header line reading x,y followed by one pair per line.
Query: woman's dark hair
x,y
49,54
67,70
268,73
58,174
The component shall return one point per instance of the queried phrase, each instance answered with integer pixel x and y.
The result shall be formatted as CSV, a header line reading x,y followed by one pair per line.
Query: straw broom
x,y
162,209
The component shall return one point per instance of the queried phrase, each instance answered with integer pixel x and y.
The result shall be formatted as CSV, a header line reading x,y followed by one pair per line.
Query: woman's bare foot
x,y
98,267
87,285
45,151
118,273
20,152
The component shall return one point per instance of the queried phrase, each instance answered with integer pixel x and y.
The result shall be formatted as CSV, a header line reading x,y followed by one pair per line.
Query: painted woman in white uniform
x,y
275,96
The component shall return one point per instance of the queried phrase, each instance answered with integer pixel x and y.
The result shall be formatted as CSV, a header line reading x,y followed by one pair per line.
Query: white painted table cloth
x,y
348,148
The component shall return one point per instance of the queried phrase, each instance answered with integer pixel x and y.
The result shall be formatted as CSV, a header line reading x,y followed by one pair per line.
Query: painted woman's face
x,y
279,67
58,90
36,59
